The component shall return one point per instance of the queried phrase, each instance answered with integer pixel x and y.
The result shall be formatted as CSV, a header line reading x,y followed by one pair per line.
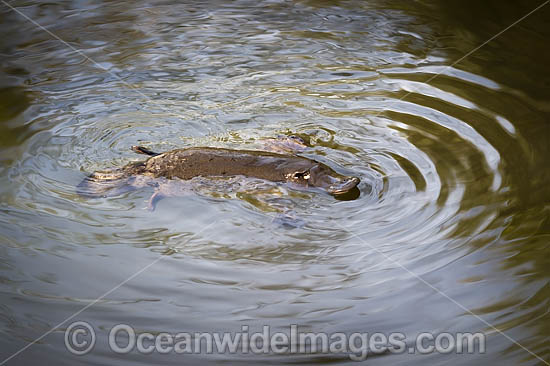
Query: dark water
x,y
451,232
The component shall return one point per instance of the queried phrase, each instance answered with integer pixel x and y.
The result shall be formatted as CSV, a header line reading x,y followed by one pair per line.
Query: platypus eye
x,y
302,175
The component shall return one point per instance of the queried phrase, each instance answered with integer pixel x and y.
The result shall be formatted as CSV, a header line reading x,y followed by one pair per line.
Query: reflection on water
x,y
454,173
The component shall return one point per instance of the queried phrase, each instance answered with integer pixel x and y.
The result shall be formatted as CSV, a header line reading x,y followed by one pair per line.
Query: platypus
x,y
184,164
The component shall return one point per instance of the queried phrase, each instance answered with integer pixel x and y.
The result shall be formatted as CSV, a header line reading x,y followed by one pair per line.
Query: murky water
x,y
450,233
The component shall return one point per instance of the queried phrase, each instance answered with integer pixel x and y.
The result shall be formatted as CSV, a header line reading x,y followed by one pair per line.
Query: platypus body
x,y
188,163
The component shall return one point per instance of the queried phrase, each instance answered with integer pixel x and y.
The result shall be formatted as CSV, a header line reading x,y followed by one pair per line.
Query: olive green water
x,y
455,193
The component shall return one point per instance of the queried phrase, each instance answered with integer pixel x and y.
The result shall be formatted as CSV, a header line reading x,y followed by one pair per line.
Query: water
x,y
450,233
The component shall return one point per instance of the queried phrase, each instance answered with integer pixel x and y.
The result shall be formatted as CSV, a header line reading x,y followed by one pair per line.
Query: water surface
x,y
454,168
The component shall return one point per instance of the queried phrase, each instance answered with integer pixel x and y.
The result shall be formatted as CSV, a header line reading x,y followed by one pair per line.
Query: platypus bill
x,y
184,164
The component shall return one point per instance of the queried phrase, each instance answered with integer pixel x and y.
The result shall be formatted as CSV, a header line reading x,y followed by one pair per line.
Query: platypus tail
x,y
143,150
103,184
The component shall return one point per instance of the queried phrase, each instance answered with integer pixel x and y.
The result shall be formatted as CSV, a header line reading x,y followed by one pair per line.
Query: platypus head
x,y
323,177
